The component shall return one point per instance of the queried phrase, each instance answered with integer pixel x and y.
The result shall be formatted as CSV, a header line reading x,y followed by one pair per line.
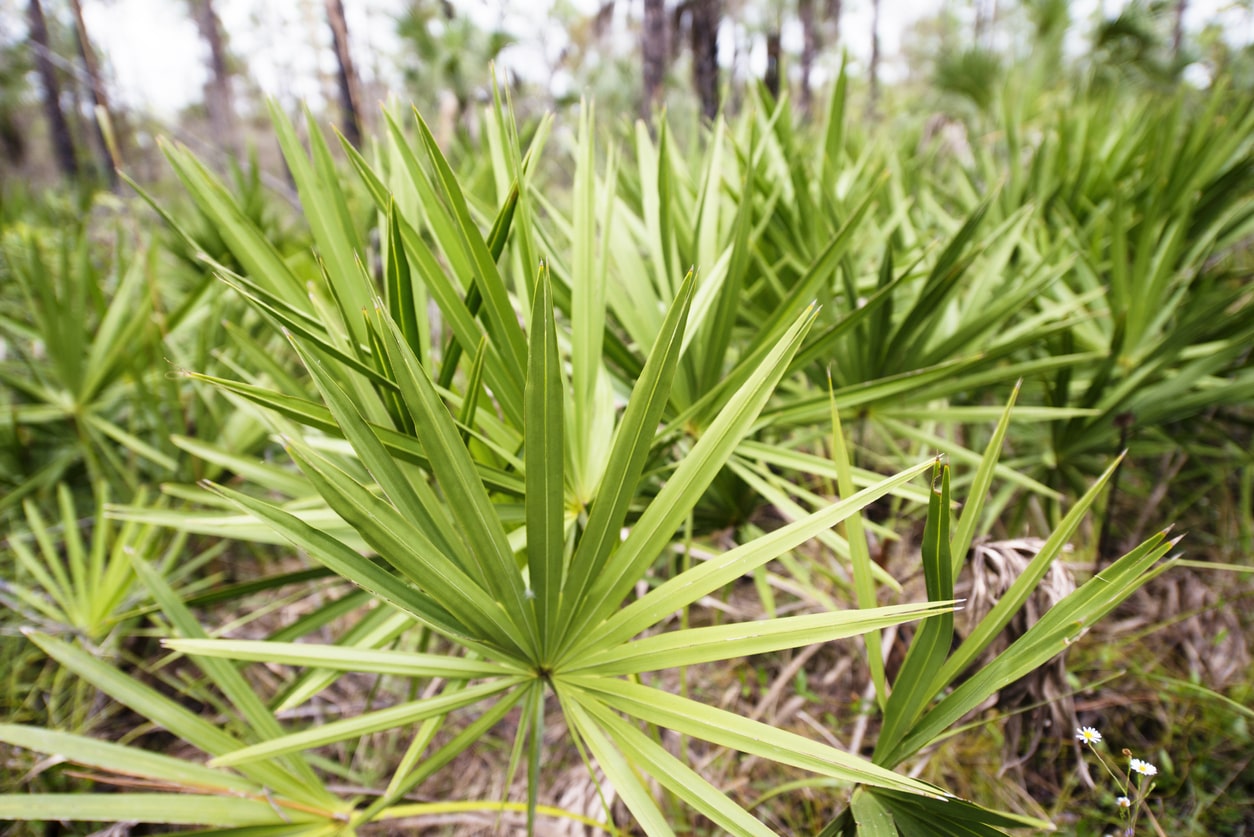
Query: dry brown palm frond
x,y
1038,705
1205,632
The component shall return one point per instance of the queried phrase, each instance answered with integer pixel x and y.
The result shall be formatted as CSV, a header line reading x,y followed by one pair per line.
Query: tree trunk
x,y
809,48
58,127
771,80
1177,30
985,23
981,23
219,101
874,70
654,51
834,8
350,85
703,31
99,96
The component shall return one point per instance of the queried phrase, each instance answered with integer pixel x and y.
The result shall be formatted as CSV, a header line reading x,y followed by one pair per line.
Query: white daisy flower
x,y
1088,735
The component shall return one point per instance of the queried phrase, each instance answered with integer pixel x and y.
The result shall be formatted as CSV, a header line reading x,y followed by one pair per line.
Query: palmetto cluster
x,y
501,429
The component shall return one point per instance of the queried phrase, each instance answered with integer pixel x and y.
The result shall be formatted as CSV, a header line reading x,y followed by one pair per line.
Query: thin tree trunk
x,y
654,50
350,85
809,48
703,30
986,24
58,127
1177,29
875,56
99,96
981,23
219,100
771,80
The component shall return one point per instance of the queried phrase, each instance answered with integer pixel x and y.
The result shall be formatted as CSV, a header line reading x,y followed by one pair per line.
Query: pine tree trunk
x,y
58,127
985,23
809,48
771,79
703,31
1177,30
350,86
874,70
99,96
654,50
219,101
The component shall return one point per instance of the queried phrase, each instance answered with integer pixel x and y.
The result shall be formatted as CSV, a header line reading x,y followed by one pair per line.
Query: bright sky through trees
x,y
154,53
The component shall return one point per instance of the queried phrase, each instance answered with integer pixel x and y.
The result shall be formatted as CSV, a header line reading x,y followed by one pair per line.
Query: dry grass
x,y
1017,755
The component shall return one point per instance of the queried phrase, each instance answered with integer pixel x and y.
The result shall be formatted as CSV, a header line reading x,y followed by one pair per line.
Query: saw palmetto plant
x,y
522,438
496,556
79,374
